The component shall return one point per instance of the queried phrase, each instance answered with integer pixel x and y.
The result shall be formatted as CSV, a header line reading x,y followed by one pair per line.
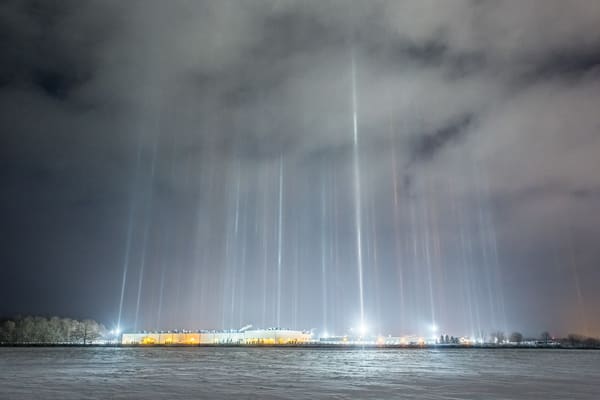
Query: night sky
x,y
305,164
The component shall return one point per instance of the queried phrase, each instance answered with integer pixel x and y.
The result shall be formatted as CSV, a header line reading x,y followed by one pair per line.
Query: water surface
x,y
276,373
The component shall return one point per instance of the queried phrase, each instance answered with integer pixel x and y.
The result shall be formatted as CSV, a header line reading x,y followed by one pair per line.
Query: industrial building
x,y
244,336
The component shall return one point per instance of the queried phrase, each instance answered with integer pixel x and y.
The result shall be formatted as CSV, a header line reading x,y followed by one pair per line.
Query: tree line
x,y
572,340
54,330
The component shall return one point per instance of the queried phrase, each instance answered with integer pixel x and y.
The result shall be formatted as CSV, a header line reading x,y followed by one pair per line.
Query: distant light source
x,y
434,328
115,332
363,329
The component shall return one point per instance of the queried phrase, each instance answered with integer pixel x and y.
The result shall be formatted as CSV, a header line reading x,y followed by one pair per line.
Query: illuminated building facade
x,y
238,337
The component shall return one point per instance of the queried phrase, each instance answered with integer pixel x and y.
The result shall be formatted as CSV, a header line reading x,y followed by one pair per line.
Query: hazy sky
x,y
193,164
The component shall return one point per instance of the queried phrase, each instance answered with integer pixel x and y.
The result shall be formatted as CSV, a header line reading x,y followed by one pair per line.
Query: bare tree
x,y
54,330
545,337
575,339
40,330
7,333
26,330
516,337
85,332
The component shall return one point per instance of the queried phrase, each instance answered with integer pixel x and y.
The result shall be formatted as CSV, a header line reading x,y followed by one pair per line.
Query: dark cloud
x,y
572,65
427,145
586,193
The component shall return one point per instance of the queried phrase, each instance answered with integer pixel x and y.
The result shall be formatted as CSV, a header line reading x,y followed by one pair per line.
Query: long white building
x,y
243,336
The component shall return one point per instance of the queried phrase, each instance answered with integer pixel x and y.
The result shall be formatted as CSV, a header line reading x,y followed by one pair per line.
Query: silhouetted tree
x,y
86,332
32,330
575,340
516,337
545,337
54,330
7,332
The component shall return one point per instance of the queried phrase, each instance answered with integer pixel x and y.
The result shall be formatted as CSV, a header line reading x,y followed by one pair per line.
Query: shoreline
x,y
312,346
